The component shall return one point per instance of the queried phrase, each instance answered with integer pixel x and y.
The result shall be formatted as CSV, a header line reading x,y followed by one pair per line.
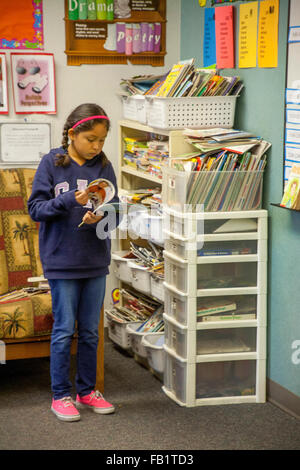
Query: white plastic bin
x,y
136,338
140,277
117,332
157,287
155,351
134,108
178,113
147,225
121,267
216,191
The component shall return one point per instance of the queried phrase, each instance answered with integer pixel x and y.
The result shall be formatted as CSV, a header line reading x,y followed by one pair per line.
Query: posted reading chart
x,y
268,33
247,35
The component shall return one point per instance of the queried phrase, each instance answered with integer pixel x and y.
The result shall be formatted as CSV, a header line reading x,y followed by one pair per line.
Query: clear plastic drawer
x,y
189,278
191,251
222,382
192,226
190,311
188,344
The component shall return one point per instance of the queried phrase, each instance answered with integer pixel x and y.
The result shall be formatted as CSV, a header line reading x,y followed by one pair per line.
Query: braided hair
x,y
82,111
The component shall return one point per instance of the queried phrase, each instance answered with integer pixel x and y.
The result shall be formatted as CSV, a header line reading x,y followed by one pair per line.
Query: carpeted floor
x,y
145,418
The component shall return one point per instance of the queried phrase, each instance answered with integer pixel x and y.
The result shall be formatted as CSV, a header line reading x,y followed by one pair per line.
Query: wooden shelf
x,y
141,174
91,51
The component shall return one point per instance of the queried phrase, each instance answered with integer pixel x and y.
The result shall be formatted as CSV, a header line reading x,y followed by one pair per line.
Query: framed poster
x,y
3,85
33,77
24,143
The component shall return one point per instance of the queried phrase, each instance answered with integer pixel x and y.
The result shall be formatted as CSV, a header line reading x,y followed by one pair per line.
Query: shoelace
x,y
97,395
67,401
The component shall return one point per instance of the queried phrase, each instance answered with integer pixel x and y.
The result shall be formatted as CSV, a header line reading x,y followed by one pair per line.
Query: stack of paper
x,y
135,307
147,156
226,173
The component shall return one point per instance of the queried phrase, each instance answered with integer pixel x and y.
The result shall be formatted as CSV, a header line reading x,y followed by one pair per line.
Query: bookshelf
x,y
132,179
86,50
221,359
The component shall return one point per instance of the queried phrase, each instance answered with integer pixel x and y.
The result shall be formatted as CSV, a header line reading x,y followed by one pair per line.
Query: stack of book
x,y
226,170
141,84
146,156
136,307
155,324
184,80
222,309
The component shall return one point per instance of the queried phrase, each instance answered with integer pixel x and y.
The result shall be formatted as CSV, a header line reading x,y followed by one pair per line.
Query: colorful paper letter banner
x,y
224,37
209,43
268,33
248,34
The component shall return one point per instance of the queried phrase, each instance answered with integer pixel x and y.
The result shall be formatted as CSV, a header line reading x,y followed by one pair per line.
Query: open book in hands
x,y
100,192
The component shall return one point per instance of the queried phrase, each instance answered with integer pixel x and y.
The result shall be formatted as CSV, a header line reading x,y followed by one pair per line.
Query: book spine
x,y
217,252
157,37
121,38
92,12
128,39
109,10
144,37
82,15
150,46
136,40
73,9
246,316
83,11
212,310
101,9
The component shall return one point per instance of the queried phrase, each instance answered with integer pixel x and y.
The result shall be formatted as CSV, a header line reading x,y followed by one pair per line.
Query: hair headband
x,y
88,119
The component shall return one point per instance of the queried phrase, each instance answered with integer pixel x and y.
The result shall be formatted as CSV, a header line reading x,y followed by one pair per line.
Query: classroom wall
x,y
260,109
91,83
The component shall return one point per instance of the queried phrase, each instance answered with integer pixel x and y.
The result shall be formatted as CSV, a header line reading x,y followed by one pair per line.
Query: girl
x,y
75,260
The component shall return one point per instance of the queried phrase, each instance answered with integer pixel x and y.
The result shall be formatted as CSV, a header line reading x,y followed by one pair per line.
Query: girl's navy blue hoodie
x,y
66,251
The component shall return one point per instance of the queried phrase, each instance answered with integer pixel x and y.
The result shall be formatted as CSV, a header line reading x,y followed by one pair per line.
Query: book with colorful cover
x,y
291,196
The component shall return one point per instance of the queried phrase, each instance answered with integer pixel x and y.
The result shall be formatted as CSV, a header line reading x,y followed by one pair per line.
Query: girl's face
x,y
87,144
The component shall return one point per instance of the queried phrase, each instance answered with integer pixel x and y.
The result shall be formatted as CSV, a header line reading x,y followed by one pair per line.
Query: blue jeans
x,y
81,300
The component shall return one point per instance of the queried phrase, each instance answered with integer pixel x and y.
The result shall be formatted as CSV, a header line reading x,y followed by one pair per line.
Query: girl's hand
x,y
90,218
81,197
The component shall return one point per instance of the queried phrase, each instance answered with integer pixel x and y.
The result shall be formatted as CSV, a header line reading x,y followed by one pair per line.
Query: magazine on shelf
x,y
291,195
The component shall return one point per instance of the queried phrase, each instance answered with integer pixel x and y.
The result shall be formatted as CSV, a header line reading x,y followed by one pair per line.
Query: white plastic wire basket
x,y
191,112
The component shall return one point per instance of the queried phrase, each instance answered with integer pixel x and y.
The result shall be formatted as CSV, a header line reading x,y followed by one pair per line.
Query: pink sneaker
x,y
95,401
65,410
